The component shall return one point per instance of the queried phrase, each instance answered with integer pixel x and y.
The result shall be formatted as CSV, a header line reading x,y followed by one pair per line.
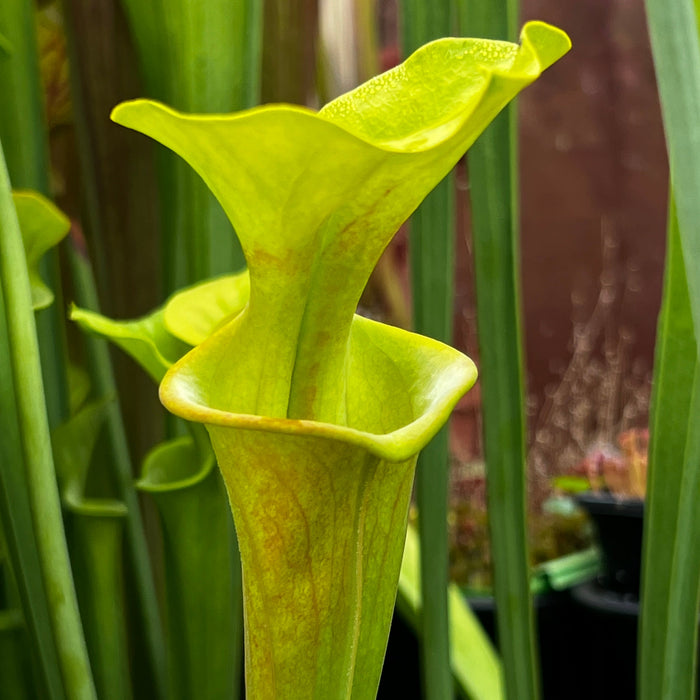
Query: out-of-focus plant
x,y
621,472
432,268
554,530
587,434
494,173
28,475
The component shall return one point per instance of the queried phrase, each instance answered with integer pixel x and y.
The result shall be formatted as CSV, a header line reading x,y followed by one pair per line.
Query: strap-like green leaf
x,y
32,422
666,642
670,601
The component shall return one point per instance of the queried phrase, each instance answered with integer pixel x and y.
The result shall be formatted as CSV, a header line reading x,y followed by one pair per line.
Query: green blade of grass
x,y
36,451
432,235
493,177
671,563
17,527
670,573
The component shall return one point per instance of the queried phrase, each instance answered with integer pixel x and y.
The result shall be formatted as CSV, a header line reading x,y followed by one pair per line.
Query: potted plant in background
x,y
611,484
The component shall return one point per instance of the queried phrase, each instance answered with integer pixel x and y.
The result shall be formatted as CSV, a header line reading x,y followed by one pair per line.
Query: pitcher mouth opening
x,y
436,377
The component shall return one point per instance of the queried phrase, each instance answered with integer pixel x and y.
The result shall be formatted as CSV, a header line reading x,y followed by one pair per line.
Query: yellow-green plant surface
x,y
317,415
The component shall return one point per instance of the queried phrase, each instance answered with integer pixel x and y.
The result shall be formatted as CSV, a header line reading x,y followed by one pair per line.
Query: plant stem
x,y
36,449
432,234
16,526
105,386
666,644
498,314
671,565
493,170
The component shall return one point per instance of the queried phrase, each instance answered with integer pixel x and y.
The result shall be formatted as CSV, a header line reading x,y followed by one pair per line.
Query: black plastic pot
x,y
608,623
561,649
619,525
610,604
401,677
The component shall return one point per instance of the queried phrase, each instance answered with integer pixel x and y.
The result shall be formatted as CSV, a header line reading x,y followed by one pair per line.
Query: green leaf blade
x,y
36,451
667,640
670,609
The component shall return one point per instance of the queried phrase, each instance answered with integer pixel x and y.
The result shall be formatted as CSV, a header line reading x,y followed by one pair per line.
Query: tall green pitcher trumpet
x,y
317,415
